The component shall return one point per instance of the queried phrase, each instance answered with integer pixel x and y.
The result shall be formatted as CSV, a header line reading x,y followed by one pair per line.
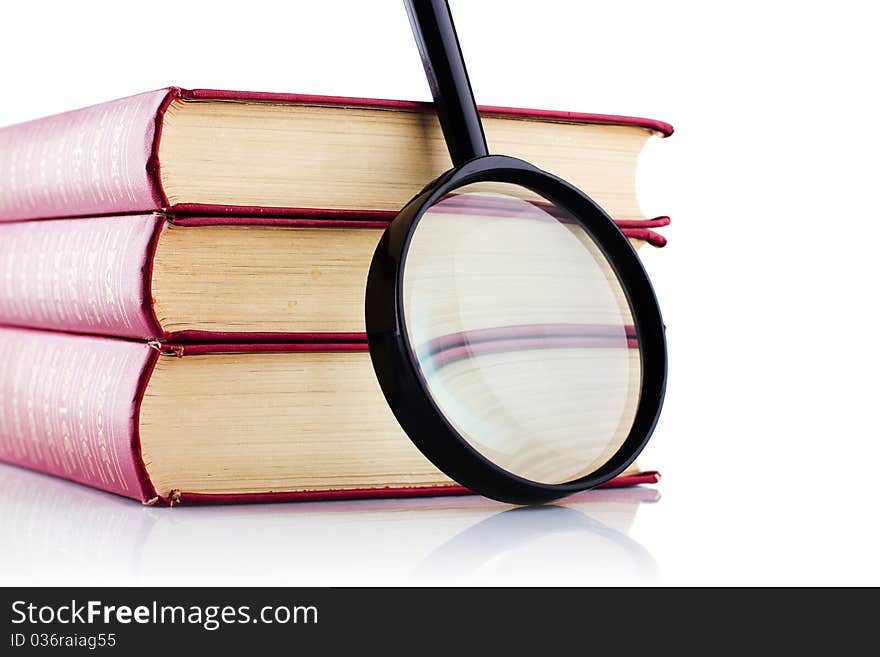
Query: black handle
x,y
435,36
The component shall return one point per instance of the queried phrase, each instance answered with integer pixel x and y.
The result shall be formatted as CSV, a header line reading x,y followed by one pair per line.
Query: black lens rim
x,y
397,368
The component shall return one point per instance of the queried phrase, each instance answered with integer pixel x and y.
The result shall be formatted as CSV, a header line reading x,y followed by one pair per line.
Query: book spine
x,y
96,160
84,275
69,405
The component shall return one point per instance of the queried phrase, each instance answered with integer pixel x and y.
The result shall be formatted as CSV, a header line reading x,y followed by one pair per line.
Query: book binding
x,y
96,160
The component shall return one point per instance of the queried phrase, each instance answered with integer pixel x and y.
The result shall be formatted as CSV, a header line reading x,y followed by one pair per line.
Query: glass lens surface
x,y
522,331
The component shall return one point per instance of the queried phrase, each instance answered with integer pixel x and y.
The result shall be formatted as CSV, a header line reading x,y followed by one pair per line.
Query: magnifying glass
x,y
512,328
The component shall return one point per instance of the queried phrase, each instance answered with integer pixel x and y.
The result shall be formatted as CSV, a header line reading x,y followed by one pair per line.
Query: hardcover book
x,y
203,423
216,152
198,278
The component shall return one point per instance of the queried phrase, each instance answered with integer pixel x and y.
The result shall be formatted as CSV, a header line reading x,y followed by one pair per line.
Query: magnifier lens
x,y
522,332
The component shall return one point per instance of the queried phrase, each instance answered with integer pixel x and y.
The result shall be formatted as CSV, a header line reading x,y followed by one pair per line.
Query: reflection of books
x,y
56,533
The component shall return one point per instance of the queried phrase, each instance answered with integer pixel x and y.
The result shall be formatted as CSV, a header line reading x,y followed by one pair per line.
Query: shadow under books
x,y
56,532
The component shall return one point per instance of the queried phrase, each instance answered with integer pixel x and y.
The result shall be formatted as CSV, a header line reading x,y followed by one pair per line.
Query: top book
x,y
238,153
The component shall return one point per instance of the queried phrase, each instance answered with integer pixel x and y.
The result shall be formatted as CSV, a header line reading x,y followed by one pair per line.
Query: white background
x,y
769,439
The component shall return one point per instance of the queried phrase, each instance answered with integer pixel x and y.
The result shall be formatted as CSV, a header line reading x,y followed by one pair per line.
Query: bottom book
x,y
210,423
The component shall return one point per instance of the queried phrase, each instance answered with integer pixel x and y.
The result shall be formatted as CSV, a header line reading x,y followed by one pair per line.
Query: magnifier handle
x,y
435,36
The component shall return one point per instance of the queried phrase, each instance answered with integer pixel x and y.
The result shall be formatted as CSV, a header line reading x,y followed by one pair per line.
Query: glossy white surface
x,y
56,532
769,440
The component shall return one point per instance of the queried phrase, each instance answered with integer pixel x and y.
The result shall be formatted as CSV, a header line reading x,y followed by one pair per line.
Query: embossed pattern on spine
x,y
82,275
68,404
88,161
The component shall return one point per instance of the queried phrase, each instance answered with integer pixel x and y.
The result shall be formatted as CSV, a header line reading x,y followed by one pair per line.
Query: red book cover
x,y
104,159
69,406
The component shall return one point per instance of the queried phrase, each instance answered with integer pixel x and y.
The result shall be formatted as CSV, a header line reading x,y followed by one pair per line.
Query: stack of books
x,y
182,279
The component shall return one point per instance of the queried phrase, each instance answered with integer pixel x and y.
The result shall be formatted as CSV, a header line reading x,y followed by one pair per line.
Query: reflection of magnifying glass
x,y
501,542
512,328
